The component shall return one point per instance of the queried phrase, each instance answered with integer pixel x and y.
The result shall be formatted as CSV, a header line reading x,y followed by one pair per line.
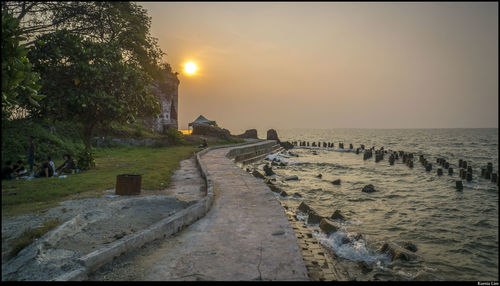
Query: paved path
x,y
244,236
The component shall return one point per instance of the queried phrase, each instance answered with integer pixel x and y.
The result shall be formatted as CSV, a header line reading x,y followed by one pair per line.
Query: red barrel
x,y
127,185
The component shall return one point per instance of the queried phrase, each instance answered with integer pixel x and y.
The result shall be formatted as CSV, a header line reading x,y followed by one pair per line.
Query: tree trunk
x,y
87,135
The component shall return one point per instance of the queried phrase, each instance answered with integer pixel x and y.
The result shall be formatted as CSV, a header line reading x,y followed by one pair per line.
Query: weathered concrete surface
x,y
97,224
244,236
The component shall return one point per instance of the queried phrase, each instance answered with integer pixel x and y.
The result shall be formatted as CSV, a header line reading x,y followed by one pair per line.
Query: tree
x,y
125,24
89,82
19,88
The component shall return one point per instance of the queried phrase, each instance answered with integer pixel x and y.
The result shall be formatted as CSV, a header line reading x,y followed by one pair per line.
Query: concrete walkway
x,y
244,236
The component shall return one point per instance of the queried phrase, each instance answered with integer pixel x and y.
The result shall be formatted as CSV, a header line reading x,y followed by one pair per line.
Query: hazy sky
x,y
333,65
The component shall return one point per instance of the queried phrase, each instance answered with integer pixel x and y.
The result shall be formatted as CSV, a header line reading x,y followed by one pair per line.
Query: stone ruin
x,y
167,93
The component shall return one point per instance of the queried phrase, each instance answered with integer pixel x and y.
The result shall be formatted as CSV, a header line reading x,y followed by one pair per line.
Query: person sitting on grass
x,y
8,171
52,165
67,166
204,144
44,171
19,169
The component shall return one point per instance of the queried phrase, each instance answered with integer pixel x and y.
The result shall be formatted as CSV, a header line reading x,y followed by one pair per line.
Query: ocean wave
x,y
354,251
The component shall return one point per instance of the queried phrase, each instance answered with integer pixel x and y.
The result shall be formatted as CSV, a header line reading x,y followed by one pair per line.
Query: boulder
x,y
283,194
319,176
282,164
257,174
293,154
313,217
336,182
275,189
297,195
337,215
291,178
365,268
396,253
272,135
268,170
328,226
274,163
209,130
250,134
287,145
368,189
410,246
315,153
303,207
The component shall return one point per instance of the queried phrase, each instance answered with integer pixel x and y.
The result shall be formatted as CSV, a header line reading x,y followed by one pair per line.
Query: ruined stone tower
x,y
167,93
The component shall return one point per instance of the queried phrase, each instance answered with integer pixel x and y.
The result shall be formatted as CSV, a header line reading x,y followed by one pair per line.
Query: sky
x,y
329,65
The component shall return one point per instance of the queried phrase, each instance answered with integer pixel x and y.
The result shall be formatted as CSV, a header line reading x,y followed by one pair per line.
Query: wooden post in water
x,y
450,171
428,167
460,161
469,176
459,185
439,172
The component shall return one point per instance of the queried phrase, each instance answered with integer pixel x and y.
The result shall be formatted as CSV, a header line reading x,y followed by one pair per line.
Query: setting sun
x,y
190,68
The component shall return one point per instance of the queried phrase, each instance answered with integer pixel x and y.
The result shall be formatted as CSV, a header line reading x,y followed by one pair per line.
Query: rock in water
x,y
410,246
328,226
336,182
291,178
319,176
303,207
268,170
395,252
283,194
275,189
365,268
272,135
314,217
287,145
368,189
337,215
297,195
257,174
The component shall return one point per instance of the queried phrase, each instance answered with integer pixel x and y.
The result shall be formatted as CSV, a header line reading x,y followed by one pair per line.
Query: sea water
x,y
456,232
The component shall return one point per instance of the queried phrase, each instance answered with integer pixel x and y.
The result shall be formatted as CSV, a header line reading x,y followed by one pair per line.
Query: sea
x,y
455,231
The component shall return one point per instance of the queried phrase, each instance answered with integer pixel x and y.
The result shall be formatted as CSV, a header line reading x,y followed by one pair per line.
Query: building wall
x,y
167,93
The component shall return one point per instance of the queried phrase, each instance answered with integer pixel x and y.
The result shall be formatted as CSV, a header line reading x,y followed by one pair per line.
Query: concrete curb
x,y
163,228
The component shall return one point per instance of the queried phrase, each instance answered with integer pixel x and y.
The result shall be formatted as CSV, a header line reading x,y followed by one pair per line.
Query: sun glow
x,y
190,68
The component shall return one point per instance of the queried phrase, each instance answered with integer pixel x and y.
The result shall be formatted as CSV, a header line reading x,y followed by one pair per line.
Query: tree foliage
x,y
19,88
89,82
125,24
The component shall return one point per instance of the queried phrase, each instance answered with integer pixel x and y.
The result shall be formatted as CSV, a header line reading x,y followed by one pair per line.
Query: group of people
x,y
46,169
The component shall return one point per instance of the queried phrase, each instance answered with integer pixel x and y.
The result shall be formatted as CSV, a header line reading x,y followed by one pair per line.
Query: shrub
x,y
174,136
85,160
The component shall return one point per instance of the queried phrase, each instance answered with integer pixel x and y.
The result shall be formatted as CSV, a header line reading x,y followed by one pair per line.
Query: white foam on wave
x,y
355,251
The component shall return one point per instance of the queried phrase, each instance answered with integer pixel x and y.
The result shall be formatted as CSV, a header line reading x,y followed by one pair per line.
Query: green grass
x,y
156,165
29,235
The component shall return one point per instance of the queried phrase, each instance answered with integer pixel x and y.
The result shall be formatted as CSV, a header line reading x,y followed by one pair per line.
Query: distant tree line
x,y
88,62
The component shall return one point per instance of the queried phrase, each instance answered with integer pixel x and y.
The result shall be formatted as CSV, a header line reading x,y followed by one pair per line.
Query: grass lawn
x,y
156,165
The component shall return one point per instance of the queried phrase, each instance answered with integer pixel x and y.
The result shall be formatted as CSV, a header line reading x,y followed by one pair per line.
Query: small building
x,y
202,119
